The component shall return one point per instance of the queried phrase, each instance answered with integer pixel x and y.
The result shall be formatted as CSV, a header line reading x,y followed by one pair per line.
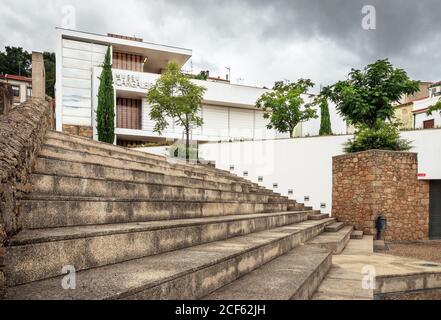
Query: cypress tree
x,y
325,125
105,114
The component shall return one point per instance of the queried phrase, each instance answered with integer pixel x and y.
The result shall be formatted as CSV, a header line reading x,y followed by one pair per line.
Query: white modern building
x,y
228,109
420,108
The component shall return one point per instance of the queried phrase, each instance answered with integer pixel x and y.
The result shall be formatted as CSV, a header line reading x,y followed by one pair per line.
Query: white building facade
x,y
228,110
421,107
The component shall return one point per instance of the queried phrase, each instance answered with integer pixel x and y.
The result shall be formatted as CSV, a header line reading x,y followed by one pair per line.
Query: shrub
x,y
384,137
179,151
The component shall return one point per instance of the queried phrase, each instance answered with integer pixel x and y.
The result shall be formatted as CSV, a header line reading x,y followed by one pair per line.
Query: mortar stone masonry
x,y
21,134
373,183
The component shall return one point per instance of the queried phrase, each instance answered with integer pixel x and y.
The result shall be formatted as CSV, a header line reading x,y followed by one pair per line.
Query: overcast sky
x,y
261,40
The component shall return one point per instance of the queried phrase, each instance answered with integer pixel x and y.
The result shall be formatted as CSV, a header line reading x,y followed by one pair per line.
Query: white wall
x,y
305,164
77,61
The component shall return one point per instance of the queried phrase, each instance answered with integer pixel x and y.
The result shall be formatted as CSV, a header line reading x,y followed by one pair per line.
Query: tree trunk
x,y
291,133
187,144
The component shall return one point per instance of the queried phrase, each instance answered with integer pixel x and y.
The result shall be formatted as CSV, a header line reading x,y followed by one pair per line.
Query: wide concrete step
x,y
65,142
333,241
93,246
55,211
43,184
102,171
335,227
294,276
319,216
357,235
85,157
189,273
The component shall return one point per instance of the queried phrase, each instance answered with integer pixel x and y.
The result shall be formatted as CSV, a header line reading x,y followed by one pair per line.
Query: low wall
x,y
373,183
304,165
22,132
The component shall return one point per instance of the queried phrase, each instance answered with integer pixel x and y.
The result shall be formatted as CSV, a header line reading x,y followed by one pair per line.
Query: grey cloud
x,y
262,40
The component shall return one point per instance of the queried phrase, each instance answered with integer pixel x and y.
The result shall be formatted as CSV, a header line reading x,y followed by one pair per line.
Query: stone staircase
x,y
135,226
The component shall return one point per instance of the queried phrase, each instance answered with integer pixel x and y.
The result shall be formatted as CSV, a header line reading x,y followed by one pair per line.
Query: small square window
x,y
290,192
275,185
231,168
307,198
245,173
16,91
260,179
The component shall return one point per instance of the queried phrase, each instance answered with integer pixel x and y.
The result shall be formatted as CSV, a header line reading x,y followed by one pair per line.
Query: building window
x,y
429,124
29,92
16,91
129,113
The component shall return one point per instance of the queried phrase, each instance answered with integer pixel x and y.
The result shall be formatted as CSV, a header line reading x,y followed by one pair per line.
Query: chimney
x,y
38,76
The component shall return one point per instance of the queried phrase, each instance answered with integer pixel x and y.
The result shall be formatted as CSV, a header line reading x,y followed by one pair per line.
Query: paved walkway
x,y
350,275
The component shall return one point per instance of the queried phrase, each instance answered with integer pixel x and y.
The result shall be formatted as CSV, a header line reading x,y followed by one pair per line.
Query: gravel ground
x,y
428,251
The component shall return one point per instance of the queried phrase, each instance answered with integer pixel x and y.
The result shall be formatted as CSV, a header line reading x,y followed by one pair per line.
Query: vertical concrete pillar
x,y
38,76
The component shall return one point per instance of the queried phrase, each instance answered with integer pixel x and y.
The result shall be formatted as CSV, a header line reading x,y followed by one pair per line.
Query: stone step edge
x,y
165,164
133,227
108,147
35,189
130,292
97,178
335,227
300,291
62,198
337,243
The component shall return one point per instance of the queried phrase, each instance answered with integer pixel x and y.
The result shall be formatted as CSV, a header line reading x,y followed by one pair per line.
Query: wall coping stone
x,y
349,155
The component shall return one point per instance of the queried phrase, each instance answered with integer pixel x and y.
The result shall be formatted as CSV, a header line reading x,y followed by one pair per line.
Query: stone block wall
x,y
22,132
5,98
81,131
373,183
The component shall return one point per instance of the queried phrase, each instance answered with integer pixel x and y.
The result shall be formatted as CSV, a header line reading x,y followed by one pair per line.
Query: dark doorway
x,y
435,209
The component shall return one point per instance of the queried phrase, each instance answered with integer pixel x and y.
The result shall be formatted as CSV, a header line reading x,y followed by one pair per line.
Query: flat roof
x,y
158,53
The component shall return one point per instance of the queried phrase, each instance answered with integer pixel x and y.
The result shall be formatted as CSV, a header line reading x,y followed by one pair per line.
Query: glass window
x,y
16,91
29,92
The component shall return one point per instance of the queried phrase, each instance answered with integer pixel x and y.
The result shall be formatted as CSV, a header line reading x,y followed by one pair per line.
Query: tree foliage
x,y
385,136
175,97
366,97
49,66
16,61
203,75
435,108
285,106
366,100
325,119
105,114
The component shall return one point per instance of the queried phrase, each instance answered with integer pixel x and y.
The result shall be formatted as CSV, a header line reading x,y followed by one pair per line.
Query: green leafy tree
x,y
285,106
49,65
435,108
203,75
385,137
325,119
16,61
105,113
366,97
174,96
366,100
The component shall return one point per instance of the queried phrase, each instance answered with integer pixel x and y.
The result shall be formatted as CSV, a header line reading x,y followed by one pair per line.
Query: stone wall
x,y
5,98
22,132
81,131
373,183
